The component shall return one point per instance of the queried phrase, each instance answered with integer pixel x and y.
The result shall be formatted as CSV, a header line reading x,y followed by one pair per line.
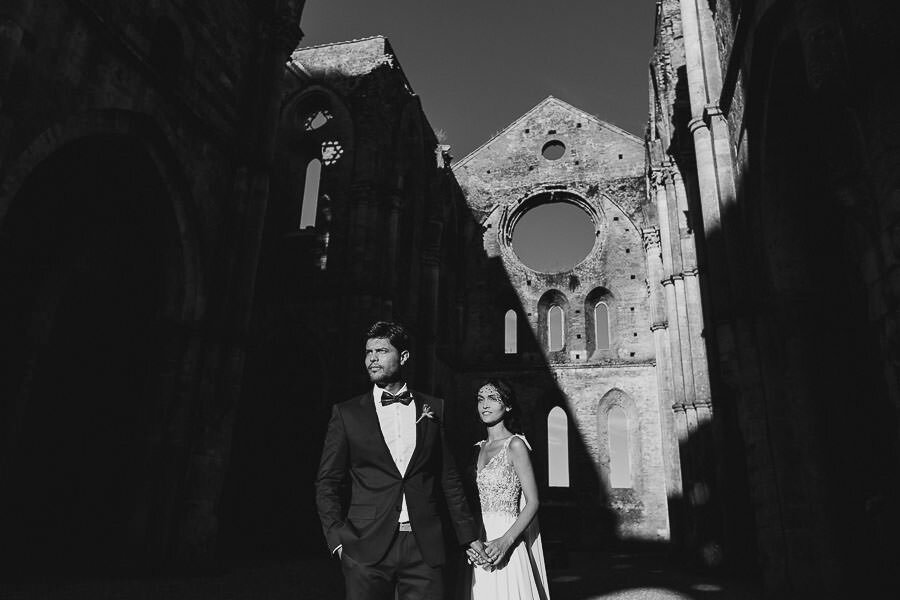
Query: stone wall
x,y
602,172
135,148
799,475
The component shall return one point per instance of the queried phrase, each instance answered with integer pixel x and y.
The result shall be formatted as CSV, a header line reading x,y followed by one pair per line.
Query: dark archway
x,y
83,288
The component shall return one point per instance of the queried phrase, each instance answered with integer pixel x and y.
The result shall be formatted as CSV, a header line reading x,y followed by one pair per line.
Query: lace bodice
x,y
498,484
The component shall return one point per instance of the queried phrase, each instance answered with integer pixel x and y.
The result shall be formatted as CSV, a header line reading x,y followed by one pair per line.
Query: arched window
x,y
619,458
317,120
311,194
558,448
510,340
555,328
601,326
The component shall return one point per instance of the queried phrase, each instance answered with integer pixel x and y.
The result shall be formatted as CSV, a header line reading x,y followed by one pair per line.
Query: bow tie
x,y
388,398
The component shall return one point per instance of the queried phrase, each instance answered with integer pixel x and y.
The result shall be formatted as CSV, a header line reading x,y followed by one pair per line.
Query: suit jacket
x,y
355,448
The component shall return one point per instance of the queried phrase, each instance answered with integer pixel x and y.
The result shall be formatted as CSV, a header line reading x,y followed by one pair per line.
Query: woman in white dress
x,y
509,502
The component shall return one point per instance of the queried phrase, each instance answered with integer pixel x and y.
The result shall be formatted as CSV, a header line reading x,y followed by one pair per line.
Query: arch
x,y
553,317
556,327
300,144
599,309
510,337
299,111
97,259
186,299
619,444
557,448
619,441
310,203
601,326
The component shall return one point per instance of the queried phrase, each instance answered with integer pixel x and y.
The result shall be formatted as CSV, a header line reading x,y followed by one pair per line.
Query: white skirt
x,y
523,576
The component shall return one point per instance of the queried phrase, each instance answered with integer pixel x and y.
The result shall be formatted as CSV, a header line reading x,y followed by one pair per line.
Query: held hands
x,y
491,555
496,550
476,556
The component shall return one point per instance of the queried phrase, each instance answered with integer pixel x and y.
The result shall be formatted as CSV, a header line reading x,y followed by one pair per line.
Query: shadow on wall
x,y
575,512
805,428
310,315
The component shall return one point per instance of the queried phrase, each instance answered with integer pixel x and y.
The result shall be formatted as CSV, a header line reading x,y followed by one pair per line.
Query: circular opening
x,y
553,237
553,150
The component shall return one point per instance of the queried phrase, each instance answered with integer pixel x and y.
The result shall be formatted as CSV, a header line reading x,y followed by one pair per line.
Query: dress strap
x,y
521,437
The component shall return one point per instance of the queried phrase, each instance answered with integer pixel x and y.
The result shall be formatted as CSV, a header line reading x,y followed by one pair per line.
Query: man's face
x,y
383,361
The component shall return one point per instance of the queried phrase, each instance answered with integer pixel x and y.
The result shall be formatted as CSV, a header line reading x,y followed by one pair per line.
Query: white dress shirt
x,y
398,426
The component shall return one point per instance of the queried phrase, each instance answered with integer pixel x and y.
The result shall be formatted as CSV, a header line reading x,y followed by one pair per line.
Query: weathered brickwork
x,y
602,172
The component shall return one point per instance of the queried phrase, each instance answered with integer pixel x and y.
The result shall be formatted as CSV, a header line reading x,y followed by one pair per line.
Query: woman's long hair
x,y
508,398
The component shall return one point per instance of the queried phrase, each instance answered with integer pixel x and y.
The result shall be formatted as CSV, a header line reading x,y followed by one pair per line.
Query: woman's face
x,y
490,407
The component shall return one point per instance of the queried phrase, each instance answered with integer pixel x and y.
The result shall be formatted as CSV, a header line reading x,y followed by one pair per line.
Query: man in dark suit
x,y
390,443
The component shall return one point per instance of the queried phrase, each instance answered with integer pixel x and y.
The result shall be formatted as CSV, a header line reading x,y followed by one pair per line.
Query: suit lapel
x,y
370,423
421,429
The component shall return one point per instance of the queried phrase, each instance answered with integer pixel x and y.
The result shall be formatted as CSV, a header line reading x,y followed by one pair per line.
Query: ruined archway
x,y
93,276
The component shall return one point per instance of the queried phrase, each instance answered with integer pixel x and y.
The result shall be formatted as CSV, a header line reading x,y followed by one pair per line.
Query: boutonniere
x,y
426,412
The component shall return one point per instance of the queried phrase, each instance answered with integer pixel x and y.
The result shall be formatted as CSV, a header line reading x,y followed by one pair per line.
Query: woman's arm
x,y
498,548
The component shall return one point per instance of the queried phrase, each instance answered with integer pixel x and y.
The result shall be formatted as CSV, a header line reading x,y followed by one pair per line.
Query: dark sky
x,y
479,65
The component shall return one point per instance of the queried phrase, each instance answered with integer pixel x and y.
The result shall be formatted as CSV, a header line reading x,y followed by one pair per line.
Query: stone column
x,y
715,177
658,327
662,209
693,300
699,66
677,276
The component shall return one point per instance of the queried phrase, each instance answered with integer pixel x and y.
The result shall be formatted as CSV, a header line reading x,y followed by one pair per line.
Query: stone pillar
x,y
677,276
693,300
222,342
658,327
715,178
678,391
698,66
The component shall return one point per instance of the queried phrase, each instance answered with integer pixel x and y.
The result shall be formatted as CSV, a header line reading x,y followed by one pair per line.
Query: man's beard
x,y
380,377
